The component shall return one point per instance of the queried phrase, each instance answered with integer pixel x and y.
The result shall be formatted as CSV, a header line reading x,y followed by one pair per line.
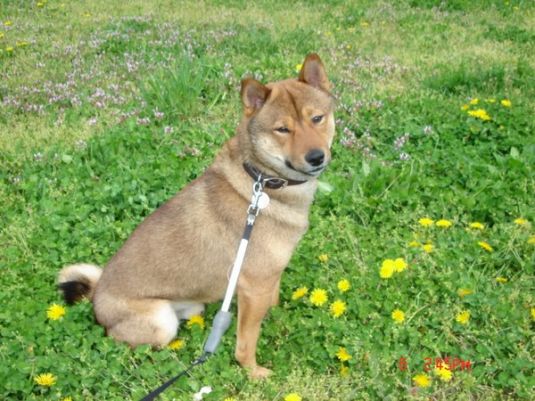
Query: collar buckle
x,y
266,180
275,182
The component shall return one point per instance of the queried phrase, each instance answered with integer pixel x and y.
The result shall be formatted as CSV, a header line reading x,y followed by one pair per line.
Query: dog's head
x,y
290,123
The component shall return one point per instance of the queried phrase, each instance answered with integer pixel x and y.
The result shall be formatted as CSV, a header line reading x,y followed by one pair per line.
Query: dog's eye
x,y
282,130
317,119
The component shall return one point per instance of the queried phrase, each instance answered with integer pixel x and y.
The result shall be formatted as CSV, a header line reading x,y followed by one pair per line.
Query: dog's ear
x,y
313,73
253,95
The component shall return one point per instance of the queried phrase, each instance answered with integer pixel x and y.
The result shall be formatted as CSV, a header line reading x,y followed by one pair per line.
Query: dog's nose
x,y
315,157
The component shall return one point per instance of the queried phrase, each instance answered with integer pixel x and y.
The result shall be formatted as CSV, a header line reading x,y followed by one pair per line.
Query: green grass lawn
x,y
108,110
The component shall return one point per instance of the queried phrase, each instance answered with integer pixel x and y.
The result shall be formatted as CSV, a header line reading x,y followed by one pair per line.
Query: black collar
x,y
269,181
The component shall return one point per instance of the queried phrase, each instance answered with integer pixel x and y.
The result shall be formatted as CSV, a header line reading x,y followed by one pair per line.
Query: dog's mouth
x,y
314,172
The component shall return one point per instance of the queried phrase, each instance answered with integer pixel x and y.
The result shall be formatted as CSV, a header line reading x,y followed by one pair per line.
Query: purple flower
x,y
404,156
401,141
348,138
143,121
158,115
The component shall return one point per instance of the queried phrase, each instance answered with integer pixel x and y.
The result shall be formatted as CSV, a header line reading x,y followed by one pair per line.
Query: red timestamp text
x,y
451,363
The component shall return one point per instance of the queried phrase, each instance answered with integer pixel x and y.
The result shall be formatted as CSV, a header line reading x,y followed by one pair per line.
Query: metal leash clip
x,y
259,200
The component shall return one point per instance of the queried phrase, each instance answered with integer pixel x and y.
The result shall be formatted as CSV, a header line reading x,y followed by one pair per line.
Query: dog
x,y
179,257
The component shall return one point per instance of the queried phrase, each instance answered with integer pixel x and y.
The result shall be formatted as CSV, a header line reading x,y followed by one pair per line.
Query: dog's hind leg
x,y
151,322
186,309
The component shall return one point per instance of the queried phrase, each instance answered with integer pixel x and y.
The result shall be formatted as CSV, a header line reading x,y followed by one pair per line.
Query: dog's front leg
x,y
275,294
252,307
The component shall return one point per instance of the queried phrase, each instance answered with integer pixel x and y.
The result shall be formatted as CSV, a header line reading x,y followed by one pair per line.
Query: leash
x,y
155,393
223,318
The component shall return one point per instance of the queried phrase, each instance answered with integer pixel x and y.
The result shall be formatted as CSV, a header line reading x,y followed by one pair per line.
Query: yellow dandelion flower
x,y
387,268
465,107
474,101
520,221
486,246
1,35
338,308
298,67
480,113
343,355
344,285
533,313
531,240
463,317
428,248
501,280
506,103
398,316
299,293
230,399
176,345
55,312
293,397
443,223
9,49
422,380
40,4
426,222
400,265
414,244
8,23
323,258
196,320
318,297
344,371
443,373
45,379
463,292
476,225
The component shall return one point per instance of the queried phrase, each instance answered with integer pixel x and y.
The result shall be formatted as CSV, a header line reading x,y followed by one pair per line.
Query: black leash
x,y
155,393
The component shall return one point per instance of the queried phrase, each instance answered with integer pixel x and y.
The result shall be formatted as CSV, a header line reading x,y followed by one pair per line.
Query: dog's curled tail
x,y
78,281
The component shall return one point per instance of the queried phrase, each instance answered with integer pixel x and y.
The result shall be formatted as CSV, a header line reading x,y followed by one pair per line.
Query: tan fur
x,y
179,257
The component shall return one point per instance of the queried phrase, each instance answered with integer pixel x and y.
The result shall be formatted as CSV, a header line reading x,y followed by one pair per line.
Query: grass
x,y
108,110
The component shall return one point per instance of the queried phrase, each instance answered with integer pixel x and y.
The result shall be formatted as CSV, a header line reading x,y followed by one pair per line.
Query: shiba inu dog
x,y
179,257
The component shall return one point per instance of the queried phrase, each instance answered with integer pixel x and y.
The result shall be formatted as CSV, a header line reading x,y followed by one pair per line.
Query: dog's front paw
x,y
259,373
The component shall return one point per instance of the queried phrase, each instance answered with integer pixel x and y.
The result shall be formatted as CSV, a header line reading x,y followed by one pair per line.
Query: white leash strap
x,y
236,269
223,318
